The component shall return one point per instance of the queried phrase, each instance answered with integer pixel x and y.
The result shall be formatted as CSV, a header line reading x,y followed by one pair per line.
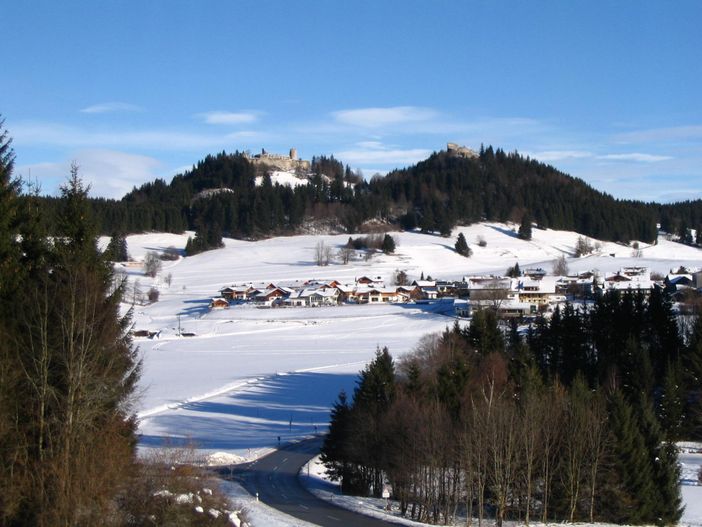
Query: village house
x,y
239,292
491,288
379,295
632,279
536,292
219,303
427,289
365,280
271,296
580,286
313,297
411,292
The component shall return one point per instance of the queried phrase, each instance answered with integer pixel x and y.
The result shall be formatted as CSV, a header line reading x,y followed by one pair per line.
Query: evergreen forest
x,y
219,197
573,421
68,371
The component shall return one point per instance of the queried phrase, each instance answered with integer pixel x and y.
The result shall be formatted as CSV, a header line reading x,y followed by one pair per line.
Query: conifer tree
x,y
663,458
334,450
388,244
671,402
633,496
525,228
9,189
13,482
117,248
515,271
462,246
77,371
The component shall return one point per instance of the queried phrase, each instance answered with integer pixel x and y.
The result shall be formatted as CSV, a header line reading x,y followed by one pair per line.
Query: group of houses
x,y
315,293
521,296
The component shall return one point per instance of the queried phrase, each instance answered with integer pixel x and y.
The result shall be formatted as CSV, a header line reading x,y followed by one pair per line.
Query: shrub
x,y
153,295
170,254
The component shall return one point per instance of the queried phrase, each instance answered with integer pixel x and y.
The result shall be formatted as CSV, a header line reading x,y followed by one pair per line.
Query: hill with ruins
x,y
256,196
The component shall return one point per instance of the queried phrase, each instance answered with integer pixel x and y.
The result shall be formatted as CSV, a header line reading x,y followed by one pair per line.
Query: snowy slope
x,y
289,179
251,376
222,387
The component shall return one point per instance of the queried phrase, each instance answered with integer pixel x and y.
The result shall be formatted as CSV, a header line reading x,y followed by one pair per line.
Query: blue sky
x,y
133,90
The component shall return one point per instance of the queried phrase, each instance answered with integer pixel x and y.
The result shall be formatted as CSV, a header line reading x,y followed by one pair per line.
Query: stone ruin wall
x,y
289,163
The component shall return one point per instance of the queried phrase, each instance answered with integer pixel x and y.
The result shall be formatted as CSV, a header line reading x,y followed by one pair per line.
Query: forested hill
x,y
219,196
447,189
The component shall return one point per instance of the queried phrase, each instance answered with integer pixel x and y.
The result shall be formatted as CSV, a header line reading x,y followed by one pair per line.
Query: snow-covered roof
x,y
546,285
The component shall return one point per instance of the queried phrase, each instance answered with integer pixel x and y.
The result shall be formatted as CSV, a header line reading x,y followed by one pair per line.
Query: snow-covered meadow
x,y
250,376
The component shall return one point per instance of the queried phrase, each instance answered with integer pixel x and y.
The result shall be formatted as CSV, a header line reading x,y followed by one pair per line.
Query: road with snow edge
x,y
274,478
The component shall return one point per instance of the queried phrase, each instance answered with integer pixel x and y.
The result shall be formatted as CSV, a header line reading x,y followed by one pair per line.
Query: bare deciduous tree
x,y
560,266
152,264
322,253
345,254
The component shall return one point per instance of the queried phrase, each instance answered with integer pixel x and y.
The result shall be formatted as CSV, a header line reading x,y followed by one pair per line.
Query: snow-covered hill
x,y
252,377
247,373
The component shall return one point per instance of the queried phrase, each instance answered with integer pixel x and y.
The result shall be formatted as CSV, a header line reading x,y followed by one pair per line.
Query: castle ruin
x,y
457,150
289,163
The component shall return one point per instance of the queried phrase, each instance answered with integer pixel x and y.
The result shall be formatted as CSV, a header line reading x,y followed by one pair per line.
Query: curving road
x,y
274,478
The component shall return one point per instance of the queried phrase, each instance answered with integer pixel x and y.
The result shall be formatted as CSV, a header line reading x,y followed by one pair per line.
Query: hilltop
x,y
253,197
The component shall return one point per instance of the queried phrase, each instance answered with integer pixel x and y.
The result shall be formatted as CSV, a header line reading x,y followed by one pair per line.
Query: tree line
x,y
219,197
574,421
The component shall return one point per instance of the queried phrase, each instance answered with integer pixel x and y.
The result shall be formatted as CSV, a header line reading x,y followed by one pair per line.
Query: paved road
x,y
275,479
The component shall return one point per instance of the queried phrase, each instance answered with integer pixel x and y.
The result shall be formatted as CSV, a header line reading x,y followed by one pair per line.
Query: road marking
x,y
285,460
275,468
333,517
285,496
306,508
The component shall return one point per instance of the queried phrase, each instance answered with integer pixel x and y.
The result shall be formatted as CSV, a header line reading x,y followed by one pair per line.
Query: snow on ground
x,y
314,478
289,179
249,375
258,514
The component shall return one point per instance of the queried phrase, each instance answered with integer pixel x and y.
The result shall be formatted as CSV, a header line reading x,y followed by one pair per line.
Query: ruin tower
x,y
293,154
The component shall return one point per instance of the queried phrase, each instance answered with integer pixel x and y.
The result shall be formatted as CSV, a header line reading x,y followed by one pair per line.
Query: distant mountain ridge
x,y
453,186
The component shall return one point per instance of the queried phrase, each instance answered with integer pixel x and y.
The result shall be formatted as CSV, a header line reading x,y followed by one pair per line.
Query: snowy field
x,y
249,376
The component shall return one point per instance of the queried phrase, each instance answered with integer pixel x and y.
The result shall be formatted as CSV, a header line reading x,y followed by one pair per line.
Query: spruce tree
x,y
14,477
78,372
388,244
525,228
632,496
9,190
334,450
663,457
462,246
117,248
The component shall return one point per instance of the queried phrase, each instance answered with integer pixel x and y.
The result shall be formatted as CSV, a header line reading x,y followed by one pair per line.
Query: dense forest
x,y
575,421
219,197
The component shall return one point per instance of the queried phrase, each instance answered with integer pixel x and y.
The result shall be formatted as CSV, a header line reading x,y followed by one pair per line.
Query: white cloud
x,y
109,107
655,135
634,156
372,145
565,155
559,155
110,173
56,135
383,156
228,117
380,117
